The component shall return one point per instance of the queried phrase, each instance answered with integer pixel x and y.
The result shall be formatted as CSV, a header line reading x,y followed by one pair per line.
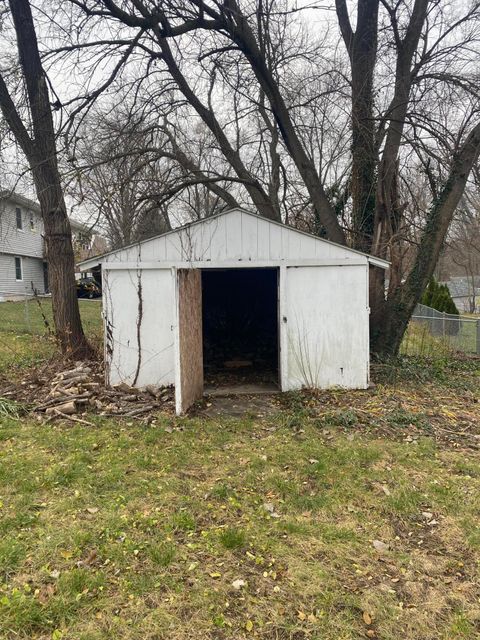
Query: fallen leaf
x,y
268,506
380,546
92,556
238,584
215,574
249,625
301,615
367,618
45,593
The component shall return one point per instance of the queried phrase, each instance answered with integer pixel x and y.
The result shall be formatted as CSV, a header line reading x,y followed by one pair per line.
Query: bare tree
x,y
126,169
463,245
410,97
35,134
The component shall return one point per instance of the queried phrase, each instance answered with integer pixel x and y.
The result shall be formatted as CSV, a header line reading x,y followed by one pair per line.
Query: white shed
x,y
238,291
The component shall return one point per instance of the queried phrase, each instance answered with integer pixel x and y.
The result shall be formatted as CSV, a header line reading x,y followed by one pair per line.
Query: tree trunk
x,y
61,263
362,50
40,151
252,185
392,316
241,33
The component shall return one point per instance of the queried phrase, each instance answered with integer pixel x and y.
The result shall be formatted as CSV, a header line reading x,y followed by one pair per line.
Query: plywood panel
x,y
327,327
307,247
285,243
295,245
194,242
189,378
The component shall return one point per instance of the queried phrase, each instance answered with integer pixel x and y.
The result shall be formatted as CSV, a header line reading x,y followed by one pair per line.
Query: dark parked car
x,y
88,288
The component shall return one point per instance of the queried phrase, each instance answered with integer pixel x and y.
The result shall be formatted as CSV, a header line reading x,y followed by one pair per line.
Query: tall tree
x,y
412,97
36,138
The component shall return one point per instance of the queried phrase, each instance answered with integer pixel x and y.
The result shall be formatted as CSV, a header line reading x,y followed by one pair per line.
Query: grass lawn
x,y
24,337
319,518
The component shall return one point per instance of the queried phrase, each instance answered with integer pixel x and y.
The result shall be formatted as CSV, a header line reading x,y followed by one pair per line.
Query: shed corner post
x,y
283,327
478,337
176,344
105,318
367,323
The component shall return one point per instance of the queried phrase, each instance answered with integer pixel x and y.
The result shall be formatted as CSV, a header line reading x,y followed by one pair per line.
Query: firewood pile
x,y
81,390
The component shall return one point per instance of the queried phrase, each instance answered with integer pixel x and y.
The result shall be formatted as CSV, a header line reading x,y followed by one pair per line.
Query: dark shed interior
x,y
240,326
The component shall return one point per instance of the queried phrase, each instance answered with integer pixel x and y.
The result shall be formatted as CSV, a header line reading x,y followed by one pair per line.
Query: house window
x,y
18,268
32,222
18,213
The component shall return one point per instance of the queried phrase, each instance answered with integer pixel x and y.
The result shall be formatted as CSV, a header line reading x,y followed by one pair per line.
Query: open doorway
x,y
240,329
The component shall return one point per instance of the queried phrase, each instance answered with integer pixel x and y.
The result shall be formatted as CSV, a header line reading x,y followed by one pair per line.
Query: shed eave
x,y
86,265
378,262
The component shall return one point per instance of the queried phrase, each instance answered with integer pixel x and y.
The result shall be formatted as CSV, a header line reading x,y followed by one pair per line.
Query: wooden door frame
x,y
180,406
282,328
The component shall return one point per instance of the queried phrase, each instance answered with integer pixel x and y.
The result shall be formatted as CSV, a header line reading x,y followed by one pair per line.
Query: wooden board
x,y
189,374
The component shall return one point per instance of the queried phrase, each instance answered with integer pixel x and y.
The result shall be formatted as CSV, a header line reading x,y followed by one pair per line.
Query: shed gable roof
x,y
231,236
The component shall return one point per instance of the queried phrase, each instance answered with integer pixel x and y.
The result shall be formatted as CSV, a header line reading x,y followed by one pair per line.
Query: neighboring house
x,y
274,299
465,293
23,266
87,245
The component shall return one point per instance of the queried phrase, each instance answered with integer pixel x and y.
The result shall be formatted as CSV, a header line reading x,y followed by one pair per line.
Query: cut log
x,y
73,372
66,408
69,417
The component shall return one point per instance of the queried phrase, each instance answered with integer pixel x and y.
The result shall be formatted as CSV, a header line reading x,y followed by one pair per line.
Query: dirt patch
x,y
239,405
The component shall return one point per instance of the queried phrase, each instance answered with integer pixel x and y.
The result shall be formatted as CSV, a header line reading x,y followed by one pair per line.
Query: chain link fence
x,y
434,333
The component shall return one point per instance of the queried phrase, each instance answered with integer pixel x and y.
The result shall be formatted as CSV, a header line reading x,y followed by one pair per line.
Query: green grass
x,y
27,317
24,338
254,527
419,341
130,531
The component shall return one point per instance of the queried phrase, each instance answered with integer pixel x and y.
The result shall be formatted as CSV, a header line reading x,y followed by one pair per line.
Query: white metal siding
x,y
32,269
120,300
327,327
234,236
20,242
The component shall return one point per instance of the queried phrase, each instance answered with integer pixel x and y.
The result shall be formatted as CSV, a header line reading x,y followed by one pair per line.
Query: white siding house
x,y
311,294
23,266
